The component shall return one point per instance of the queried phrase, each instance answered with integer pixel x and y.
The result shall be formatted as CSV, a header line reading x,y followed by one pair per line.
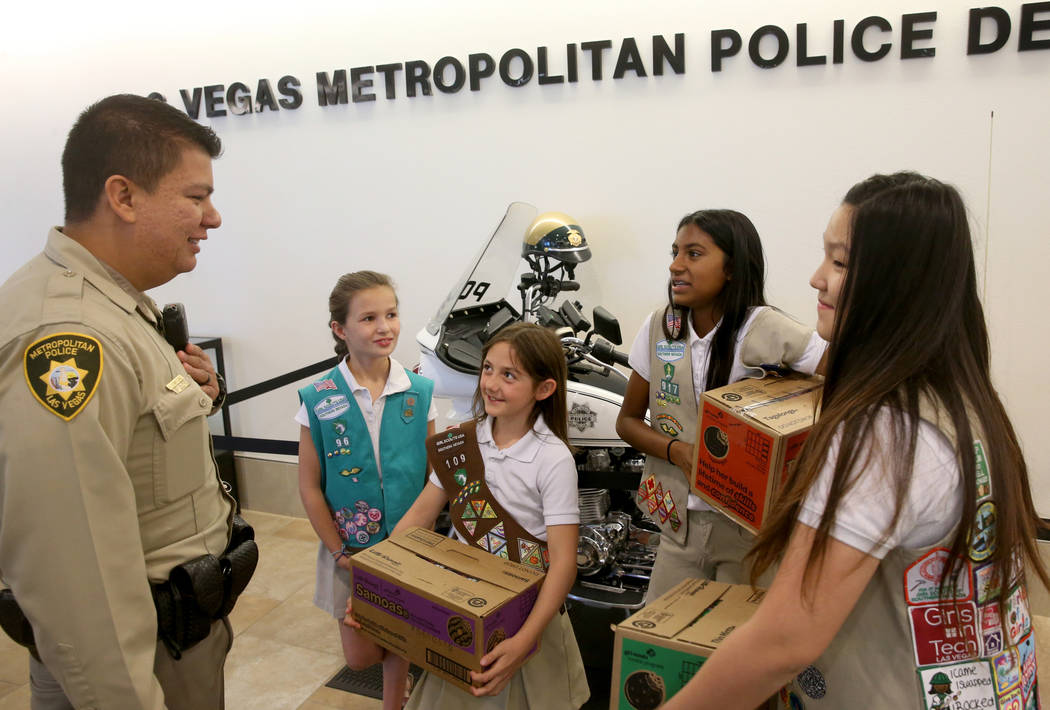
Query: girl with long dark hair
x,y
901,542
715,328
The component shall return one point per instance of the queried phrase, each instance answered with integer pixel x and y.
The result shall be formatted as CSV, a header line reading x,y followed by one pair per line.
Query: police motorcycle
x,y
522,273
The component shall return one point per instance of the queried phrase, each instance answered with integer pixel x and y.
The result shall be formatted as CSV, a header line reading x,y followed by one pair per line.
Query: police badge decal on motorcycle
x,y
63,371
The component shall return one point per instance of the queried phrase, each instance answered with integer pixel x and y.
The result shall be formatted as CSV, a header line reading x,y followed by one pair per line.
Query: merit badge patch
x,y
670,350
922,580
63,371
982,537
984,479
960,685
669,425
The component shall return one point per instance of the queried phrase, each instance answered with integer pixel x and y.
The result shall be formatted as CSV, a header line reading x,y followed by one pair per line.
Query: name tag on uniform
x,y
178,384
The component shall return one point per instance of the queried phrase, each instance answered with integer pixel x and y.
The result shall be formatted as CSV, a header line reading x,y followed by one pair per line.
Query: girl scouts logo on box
x,y
716,442
63,371
922,580
331,407
670,350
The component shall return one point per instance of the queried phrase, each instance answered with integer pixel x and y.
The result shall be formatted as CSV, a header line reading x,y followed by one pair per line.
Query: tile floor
x,y
286,649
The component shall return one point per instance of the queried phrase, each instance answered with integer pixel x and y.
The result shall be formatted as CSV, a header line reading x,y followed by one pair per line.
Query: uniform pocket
x,y
181,454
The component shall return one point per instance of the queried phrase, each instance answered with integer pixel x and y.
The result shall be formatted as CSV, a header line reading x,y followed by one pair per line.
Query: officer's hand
x,y
199,367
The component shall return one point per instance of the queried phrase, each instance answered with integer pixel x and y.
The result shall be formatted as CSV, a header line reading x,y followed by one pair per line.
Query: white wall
x,y
411,186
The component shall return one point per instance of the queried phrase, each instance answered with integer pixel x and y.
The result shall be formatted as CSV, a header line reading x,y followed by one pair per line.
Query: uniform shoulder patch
x,y
63,371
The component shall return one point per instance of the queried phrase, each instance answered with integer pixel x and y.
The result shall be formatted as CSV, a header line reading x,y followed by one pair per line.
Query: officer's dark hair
x,y
139,138
343,293
736,236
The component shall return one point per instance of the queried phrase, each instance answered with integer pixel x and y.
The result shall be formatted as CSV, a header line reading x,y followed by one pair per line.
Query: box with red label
x,y
749,433
438,602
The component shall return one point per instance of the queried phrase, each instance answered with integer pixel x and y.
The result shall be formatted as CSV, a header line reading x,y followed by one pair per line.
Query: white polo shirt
x,y
396,381
534,479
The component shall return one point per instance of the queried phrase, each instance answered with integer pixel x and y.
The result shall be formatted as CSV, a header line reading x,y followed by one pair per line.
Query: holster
x,y
203,590
14,622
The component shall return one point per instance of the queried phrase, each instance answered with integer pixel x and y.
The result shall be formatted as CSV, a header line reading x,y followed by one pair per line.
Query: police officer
x,y
107,480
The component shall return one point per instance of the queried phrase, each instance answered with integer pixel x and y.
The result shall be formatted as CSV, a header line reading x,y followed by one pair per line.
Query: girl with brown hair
x,y
901,542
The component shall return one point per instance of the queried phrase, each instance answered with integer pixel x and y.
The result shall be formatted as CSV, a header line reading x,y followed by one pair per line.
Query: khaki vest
x,y
664,490
901,647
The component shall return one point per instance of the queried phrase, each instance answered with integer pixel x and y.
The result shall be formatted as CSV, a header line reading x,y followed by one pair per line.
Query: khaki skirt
x,y
551,680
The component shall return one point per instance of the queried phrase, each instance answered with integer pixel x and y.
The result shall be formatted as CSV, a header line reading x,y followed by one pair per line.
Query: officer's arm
x,y
70,545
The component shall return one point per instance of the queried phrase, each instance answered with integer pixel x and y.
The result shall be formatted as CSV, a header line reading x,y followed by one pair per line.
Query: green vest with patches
x,y
364,507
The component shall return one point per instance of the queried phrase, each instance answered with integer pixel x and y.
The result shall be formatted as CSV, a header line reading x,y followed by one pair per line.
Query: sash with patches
x,y
477,515
63,371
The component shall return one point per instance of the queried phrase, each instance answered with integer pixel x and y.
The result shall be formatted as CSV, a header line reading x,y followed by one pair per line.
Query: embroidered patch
x,y
664,399
468,513
944,634
984,480
1018,618
1026,653
674,321
1007,671
63,371
675,521
374,515
498,530
460,477
668,371
362,537
360,520
467,490
362,506
991,629
960,685
489,512
986,583
812,683
670,388
331,407
470,525
339,426
922,579
669,425
322,385
670,350
982,538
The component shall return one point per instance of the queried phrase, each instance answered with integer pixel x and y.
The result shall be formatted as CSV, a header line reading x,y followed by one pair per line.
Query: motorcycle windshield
x,y
494,273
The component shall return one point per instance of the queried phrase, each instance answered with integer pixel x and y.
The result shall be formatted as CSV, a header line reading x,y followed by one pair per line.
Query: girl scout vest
x,y
476,514
773,339
672,411
365,508
906,646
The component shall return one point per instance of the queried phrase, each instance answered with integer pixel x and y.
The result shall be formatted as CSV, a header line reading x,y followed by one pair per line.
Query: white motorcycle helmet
x,y
557,236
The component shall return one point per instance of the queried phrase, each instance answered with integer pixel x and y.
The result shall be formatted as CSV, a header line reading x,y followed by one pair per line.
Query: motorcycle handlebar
x,y
604,351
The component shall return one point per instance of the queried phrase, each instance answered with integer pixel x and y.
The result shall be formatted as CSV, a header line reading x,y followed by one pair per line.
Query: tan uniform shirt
x,y
107,479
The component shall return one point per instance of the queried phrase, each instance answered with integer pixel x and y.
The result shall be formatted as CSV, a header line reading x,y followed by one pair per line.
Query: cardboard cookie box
x,y
658,649
749,433
438,602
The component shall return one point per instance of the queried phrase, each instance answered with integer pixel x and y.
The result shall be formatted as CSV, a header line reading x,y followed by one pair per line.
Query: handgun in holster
x,y
14,622
202,590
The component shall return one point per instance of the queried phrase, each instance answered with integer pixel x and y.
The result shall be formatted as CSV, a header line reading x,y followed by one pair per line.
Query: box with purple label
x,y
438,602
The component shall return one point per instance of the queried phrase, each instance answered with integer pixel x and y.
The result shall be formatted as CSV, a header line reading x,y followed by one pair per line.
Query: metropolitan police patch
x,y
63,371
